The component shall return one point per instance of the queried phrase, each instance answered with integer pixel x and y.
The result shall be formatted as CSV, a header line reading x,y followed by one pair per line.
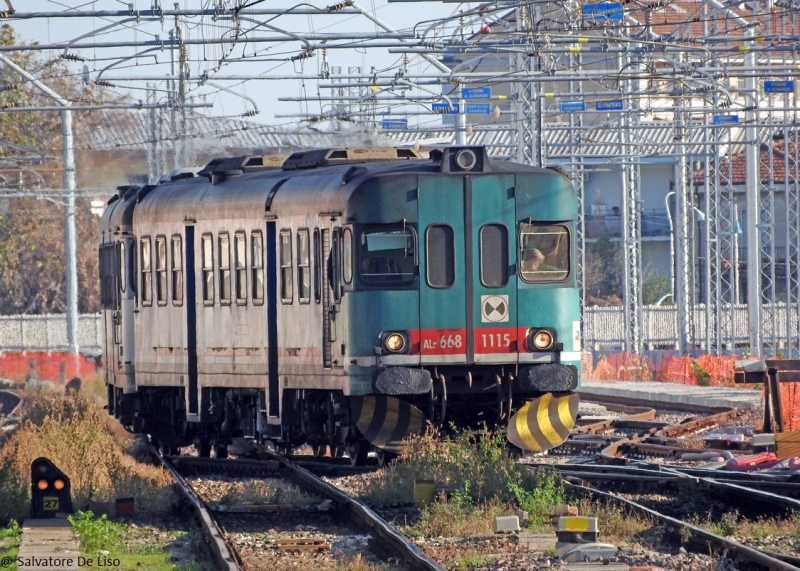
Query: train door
x,y
328,252
191,324
467,294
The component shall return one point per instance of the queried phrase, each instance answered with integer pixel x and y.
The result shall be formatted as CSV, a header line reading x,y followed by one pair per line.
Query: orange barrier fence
x,y
43,366
705,370
790,403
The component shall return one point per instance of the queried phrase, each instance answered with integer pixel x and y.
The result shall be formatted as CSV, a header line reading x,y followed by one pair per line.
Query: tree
x,y
32,256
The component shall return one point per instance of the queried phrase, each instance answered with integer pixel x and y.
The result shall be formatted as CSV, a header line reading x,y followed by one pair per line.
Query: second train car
x,y
343,298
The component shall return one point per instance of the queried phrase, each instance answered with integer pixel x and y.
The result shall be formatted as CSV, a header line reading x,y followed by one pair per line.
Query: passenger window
x,y
122,266
440,266
207,246
147,276
317,267
257,251
240,267
335,265
303,268
286,266
224,269
347,256
177,270
494,255
544,252
387,255
161,270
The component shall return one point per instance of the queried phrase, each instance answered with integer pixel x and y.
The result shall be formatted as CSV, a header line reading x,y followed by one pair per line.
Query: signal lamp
x,y
59,484
41,484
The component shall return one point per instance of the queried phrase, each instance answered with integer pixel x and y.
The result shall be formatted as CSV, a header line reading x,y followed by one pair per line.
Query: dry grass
x,y
450,517
73,432
616,524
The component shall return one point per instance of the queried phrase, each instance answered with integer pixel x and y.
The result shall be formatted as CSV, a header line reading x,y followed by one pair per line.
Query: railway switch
x,y
50,490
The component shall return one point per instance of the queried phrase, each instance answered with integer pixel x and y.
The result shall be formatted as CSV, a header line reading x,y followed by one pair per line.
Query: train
x,y
343,299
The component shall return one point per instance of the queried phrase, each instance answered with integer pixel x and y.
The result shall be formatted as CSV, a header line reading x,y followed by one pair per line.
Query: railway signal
x,y
50,490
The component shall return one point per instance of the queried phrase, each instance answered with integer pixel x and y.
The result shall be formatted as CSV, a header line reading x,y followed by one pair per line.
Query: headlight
x,y
394,342
540,340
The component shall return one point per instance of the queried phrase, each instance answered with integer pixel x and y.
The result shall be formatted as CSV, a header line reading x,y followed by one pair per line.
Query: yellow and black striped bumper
x,y
384,421
543,423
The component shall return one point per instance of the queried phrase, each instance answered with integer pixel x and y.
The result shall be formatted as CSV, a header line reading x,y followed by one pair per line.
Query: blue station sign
x,y
612,105
603,12
395,124
573,106
778,86
445,109
478,109
476,93
726,119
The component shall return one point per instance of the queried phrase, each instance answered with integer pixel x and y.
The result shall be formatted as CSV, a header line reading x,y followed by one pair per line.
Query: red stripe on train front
x,y
487,341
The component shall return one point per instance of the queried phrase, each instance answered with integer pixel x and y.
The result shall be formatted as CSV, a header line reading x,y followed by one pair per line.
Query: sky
x,y
232,98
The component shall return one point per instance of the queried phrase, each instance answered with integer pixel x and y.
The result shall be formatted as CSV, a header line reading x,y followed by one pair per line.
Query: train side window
x,y
335,265
388,255
177,269
108,294
207,247
317,267
544,252
347,256
147,275
122,266
303,268
257,253
440,266
161,270
224,268
240,267
286,266
494,255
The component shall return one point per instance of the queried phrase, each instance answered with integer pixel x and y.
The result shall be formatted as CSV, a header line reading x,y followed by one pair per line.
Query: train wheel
x,y
204,448
358,452
384,457
221,451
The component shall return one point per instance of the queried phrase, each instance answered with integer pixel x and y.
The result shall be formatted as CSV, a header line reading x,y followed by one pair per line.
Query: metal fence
x,y
603,329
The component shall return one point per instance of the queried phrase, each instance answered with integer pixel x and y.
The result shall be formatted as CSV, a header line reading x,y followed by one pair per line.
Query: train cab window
x,y
544,252
494,255
147,275
161,270
347,256
240,267
317,267
388,255
286,266
207,251
303,268
257,267
224,268
177,269
440,256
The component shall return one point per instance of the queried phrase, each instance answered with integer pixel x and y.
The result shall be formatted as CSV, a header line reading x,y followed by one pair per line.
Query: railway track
x,y
341,513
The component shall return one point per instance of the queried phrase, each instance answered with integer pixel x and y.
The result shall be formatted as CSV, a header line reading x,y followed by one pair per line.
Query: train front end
x,y
478,319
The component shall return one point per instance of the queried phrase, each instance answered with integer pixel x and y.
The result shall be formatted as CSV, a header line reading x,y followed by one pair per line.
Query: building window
x,y
257,251
494,255
303,268
177,270
207,247
286,266
161,270
147,275
388,255
440,264
240,267
544,252
224,268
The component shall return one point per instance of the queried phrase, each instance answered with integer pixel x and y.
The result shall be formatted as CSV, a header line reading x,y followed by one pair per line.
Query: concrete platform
x,y
47,545
625,392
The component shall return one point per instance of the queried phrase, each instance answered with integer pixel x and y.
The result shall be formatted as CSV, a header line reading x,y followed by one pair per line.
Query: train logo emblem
x,y
494,308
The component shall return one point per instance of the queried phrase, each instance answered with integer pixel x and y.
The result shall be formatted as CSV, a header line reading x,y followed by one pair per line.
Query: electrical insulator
x,y
339,6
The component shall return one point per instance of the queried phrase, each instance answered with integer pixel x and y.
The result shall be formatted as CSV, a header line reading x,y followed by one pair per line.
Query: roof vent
x,y
328,157
245,163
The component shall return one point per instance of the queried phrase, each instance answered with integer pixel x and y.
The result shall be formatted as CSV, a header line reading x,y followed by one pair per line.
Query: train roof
x,y
315,181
